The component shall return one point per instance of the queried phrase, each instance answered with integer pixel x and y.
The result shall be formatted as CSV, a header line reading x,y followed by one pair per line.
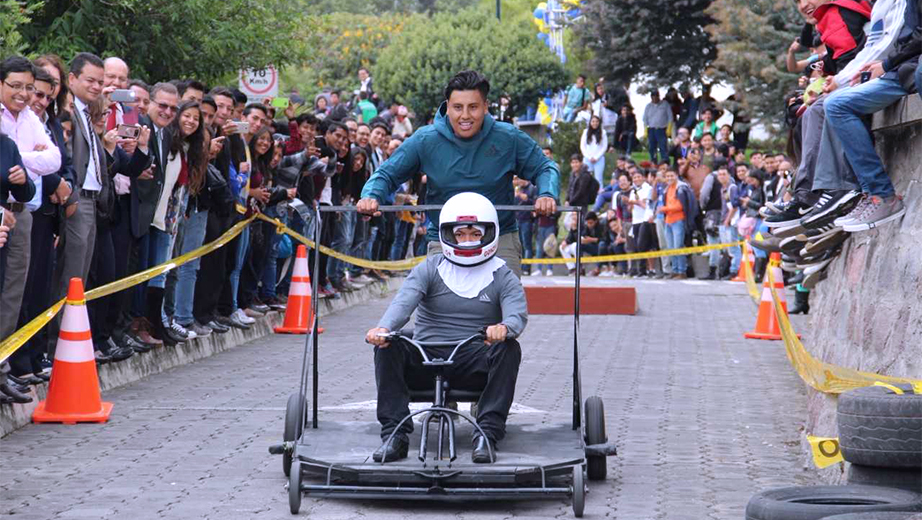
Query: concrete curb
x,y
139,366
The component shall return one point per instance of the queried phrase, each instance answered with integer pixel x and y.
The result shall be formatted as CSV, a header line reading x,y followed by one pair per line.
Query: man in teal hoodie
x,y
465,149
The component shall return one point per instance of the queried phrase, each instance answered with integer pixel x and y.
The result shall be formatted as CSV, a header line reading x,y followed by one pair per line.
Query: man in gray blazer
x,y
89,159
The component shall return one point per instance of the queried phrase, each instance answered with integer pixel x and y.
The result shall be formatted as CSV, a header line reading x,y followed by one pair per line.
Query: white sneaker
x,y
354,281
181,331
243,318
607,274
363,279
536,272
550,272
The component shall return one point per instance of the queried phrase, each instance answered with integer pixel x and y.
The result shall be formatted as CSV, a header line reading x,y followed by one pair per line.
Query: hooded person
x,y
456,293
465,149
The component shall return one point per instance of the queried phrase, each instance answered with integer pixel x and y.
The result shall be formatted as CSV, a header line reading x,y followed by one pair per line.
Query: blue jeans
x,y
713,254
268,279
569,114
359,241
598,170
193,237
675,238
543,233
728,235
844,110
402,232
344,227
159,245
526,236
242,245
602,198
658,141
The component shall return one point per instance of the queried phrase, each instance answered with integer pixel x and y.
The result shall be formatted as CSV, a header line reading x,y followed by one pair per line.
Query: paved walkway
x,y
702,417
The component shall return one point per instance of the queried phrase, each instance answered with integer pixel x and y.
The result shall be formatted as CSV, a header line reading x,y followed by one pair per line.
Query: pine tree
x,y
661,42
752,38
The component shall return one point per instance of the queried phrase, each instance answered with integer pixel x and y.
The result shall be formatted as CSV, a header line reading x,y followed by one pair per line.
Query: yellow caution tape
x,y
751,287
895,389
18,338
633,256
825,450
821,376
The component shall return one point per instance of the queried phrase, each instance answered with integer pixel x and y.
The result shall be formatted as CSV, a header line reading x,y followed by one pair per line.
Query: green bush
x,y
418,63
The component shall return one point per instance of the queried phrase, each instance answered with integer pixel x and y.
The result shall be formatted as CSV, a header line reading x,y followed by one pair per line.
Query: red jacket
x,y
841,26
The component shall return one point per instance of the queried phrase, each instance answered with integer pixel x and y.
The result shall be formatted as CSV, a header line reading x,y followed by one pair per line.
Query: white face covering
x,y
467,282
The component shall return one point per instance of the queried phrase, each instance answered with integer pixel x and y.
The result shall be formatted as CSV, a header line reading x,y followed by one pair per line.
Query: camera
x,y
123,96
129,131
242,127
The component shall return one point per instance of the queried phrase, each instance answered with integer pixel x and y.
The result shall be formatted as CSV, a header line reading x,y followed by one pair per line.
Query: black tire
x,y
875,516
294,488
816,502
909,479
595,434
293,426
579,492
878,427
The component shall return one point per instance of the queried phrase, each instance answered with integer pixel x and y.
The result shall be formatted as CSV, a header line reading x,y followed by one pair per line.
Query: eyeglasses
x,y
39,95
165,107
27,88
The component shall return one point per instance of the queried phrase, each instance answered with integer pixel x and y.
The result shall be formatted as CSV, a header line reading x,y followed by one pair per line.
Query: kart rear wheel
x,y
579,492
293,426
595,434
294,487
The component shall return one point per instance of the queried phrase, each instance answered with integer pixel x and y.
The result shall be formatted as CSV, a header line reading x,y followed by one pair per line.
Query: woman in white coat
x,y
593,144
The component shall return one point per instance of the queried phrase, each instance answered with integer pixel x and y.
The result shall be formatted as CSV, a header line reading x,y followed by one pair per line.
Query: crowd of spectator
x,y
104,176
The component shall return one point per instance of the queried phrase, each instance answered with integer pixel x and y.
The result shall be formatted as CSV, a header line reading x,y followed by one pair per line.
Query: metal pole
x,y
577,384
315,328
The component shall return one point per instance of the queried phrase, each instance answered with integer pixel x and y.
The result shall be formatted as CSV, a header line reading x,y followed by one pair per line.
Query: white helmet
x,y
469,210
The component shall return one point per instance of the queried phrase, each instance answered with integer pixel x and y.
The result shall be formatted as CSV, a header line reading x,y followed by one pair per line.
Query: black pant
x,y
102,271
37,291
491,368
255,261
213,269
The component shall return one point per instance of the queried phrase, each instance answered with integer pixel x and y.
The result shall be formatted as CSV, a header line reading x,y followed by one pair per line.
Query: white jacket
x,y
887,18
594,150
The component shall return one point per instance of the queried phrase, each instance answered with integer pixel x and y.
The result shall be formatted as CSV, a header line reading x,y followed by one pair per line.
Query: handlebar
x,y
421,347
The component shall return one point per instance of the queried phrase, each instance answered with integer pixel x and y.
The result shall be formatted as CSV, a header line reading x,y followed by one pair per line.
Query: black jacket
x,y
9,157
904,58
146,193
583,188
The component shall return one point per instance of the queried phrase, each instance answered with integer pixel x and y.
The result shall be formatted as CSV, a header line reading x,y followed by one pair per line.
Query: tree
x,y
419,62
343,43
14,14
165,39
661,42
752,38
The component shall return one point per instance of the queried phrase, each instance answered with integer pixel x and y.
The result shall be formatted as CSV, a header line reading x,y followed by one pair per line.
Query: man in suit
x,y
145,192
41,158
78,231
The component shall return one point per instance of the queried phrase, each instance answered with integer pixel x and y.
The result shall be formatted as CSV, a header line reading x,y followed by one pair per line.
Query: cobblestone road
x,y
703,419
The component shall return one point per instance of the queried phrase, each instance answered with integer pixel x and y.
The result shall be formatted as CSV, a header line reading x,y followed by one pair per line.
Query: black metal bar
x,y
577,390
434,207
315,328
435,493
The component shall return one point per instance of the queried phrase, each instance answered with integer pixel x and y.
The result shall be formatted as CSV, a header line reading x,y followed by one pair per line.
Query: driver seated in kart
x,y
455,294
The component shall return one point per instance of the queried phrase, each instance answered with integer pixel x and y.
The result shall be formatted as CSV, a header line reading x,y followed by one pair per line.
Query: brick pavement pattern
x,y
703,419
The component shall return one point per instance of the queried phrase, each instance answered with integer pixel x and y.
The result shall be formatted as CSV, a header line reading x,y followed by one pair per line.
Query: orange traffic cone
x,y
748,258
767,323
73,394
298,309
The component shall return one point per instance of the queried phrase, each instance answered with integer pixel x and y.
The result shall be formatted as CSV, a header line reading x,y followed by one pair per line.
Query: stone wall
x,y
868,314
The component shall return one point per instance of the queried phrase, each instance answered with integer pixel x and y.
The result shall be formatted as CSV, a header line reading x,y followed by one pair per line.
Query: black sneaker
x,y
773,208
128,342
831,206
791,215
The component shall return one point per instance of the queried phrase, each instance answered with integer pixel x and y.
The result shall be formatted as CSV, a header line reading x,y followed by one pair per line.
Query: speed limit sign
x,y
258,84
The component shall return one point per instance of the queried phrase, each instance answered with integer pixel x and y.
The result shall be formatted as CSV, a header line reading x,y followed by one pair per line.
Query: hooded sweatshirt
x,y
484,164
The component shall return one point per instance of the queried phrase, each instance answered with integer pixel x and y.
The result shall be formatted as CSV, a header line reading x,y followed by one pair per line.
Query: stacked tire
x,y
880,435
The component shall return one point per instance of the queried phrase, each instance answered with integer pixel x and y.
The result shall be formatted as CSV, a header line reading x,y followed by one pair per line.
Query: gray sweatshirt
x,y
443,316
